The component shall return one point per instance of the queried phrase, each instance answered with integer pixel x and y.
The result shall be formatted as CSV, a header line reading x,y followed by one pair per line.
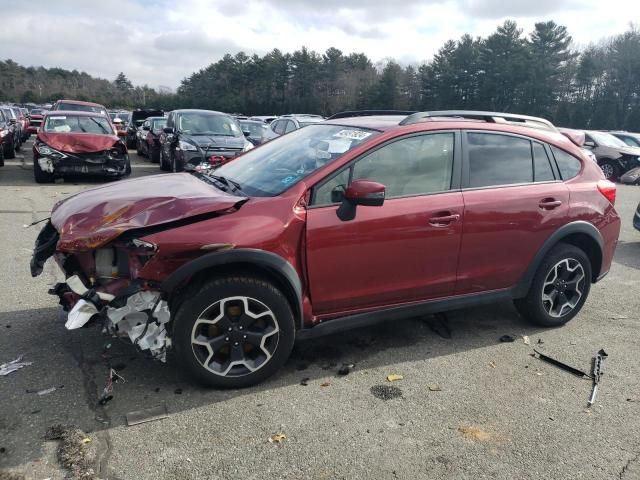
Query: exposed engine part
x,y
106,266
143,319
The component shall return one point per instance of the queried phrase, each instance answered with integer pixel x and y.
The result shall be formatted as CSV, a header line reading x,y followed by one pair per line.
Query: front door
x,y
403,251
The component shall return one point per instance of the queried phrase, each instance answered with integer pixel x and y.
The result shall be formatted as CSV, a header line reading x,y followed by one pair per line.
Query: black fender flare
x,y
275,264
579,226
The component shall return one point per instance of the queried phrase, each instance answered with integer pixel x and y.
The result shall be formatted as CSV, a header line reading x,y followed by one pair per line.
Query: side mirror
x,y
12,121
361,192
167,130
246,133
146,128
589,144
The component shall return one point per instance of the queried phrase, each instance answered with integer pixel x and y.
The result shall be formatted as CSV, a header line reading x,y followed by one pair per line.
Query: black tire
x,y
127,170
18,145
2,156
154,154
10,150
39,175
257,290
536,310
138,149
130,144
611,169
176,165
163,163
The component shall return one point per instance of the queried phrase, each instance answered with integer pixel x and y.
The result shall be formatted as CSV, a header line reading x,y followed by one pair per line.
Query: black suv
x,y
200,139
9,132
137,119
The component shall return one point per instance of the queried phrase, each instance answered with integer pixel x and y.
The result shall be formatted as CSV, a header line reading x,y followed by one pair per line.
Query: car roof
x,y
80,102
186,110
79,113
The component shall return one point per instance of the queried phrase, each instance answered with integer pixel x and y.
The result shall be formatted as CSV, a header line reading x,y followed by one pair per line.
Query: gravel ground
x,y
468,407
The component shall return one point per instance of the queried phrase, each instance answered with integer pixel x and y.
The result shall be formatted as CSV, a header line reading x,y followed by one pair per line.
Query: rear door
x,y
514,200
407,249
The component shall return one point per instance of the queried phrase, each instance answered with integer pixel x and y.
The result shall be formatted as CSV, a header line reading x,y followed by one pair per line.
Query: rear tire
x,y
559,288
2,156
163,163
138,149
154,154
234,332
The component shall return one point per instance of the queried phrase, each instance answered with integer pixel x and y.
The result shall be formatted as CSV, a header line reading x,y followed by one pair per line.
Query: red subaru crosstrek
x,y
336,225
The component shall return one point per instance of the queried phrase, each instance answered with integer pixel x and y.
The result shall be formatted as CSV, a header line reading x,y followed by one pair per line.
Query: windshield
x,y
77,124
281,163
36,111
204,123
607,139
122,116
74,107
255,129
158,124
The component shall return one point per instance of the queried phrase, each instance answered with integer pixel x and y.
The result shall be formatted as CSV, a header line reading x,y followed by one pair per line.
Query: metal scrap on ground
x,y
12,366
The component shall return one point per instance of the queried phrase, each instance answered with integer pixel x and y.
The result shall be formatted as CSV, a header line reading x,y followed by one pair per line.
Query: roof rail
x,y
366,113
493,117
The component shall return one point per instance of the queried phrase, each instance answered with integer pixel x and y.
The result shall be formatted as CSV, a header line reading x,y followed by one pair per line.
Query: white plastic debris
x,y
80,314
47,391
17,364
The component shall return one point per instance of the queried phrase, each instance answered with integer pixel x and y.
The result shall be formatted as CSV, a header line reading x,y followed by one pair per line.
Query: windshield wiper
x,y
231,184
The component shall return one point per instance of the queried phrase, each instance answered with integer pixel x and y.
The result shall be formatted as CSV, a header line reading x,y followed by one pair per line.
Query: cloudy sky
x,y
159,42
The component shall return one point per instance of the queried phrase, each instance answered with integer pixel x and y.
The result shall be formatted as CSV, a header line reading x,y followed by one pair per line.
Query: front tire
x,y
559,288
40,175
234,332
10,150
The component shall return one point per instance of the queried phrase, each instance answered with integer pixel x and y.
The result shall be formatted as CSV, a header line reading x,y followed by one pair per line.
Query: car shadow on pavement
x,y
77,363
628,254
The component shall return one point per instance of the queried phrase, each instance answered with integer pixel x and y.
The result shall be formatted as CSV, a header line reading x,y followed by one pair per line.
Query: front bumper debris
x,y
98,163
142,319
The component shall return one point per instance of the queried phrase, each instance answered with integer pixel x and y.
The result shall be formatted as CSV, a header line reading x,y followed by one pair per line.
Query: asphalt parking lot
x,y
468,407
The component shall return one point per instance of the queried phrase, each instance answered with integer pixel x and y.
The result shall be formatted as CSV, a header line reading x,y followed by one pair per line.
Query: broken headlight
x,y
46,151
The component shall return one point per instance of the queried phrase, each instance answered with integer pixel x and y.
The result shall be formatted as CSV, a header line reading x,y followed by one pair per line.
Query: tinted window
x,y
279,127
542,171
498,160
568,165
290,127
632,142
322,195
411,166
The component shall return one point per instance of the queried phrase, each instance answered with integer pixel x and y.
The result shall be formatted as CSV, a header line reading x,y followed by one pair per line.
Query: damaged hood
x,y
95,217
78,142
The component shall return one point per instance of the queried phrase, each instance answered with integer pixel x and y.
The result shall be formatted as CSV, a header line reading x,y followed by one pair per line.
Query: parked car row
x,y
14,131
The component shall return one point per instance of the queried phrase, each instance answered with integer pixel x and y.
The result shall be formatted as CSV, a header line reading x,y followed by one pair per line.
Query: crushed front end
x,y
110,162
103,285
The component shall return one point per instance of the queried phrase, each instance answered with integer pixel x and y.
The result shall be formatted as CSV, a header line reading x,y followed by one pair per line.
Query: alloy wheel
x,y
608,170
563,287
235,336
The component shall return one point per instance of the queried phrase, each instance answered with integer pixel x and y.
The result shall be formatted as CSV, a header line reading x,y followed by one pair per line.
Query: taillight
x,y
608,189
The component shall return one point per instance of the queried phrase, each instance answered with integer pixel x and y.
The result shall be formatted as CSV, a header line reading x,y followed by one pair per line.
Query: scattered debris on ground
x,y
636,399
434,387
597,370
178,391
146,415
386,392
540,341
46,391
492,364
345,369
12,366
394,377
325,384
474,433
507,338
277,438
107,392
305,381
439,324
525,339
559,364
72,453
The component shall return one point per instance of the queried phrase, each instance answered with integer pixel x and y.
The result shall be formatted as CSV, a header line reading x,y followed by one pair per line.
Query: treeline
x,y
539,73
41,85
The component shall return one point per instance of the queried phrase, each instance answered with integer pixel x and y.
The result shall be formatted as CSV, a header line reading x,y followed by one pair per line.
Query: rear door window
x,y
542,171
290,127
568,165
498,160
279,127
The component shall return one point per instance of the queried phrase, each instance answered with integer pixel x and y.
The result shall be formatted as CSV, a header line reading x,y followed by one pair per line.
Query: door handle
x,y
444,220
549,203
